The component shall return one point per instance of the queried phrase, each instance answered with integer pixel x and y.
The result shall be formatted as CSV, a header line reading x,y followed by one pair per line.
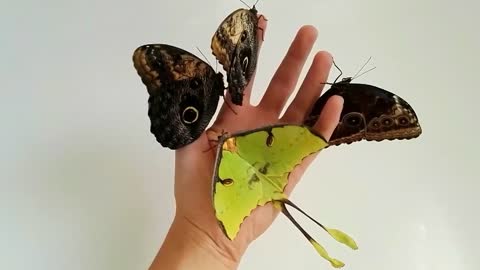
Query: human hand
x,y
195,230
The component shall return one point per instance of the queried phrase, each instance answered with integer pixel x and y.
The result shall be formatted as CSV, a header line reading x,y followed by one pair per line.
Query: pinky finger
x,y
329,117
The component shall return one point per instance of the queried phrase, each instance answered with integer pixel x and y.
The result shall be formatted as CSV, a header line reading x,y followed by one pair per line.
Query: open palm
x,y
194,163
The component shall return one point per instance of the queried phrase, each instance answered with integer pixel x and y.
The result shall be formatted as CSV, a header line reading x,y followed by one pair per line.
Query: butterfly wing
x,y
183,92
253,168
369,113
235,45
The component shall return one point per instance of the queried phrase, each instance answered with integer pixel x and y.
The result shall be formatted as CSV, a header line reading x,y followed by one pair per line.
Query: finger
x,y
325,125
261,30
286,77
329,117
310,89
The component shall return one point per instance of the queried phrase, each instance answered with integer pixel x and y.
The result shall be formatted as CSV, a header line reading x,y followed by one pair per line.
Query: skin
x,y
195,240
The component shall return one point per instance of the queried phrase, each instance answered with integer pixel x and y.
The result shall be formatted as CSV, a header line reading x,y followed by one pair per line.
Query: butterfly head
x,y
345,80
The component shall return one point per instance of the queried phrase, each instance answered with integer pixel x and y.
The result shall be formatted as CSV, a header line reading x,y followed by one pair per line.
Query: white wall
x,y
84,185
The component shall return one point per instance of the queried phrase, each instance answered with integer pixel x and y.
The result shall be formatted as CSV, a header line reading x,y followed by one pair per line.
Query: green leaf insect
x,y
252,169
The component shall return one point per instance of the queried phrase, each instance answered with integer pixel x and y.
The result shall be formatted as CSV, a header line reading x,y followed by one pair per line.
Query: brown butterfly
x,y
184,92
235,45
369,113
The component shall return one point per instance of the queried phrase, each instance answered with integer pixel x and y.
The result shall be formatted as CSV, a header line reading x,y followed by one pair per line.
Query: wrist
x,y
187,247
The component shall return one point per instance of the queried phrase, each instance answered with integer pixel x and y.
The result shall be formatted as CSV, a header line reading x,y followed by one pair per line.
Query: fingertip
x,y
325,58
337,103
329,117
308,31
303,42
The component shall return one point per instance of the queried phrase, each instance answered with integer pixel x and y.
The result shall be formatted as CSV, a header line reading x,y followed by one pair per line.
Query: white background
x,y
84,185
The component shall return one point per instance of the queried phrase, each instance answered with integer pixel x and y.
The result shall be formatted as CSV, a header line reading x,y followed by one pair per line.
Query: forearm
x,y
184,249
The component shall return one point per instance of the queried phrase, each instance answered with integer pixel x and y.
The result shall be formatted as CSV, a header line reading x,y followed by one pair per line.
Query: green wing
x,y
253,168
279,149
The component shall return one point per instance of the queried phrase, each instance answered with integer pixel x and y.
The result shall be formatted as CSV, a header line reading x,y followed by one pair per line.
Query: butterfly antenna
x,y
355,76
203,55
320,250
255,3
246,4
364,73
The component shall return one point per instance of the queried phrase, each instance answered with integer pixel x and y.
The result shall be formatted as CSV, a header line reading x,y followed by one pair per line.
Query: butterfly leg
x,y
341,72
261,29
214,142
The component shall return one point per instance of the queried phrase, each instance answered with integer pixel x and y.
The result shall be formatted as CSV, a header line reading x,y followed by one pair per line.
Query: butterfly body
x,y
369,113
235,45
183,90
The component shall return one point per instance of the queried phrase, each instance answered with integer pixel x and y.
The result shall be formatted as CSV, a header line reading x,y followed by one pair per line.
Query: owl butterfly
x,y
183,92
369,113
235,45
